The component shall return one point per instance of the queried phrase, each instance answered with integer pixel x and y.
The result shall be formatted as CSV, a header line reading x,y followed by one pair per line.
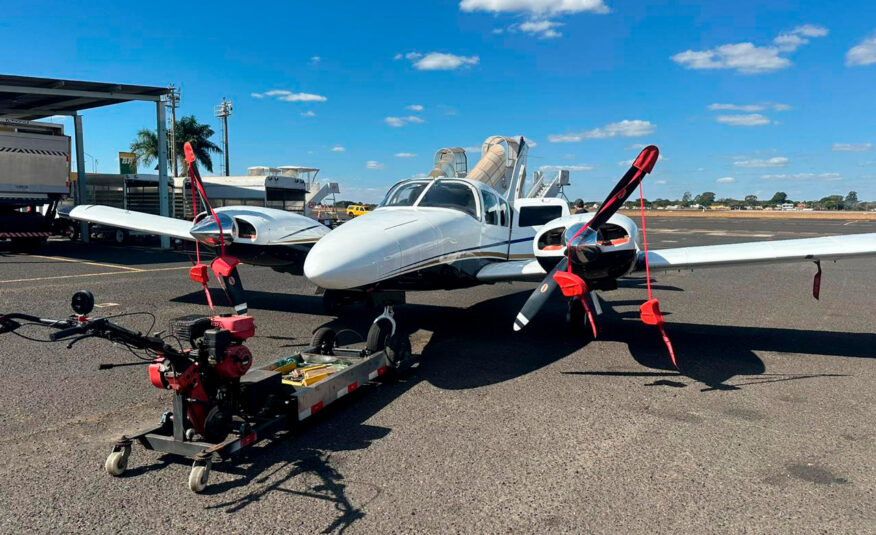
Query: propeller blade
x,y
539,297
642,165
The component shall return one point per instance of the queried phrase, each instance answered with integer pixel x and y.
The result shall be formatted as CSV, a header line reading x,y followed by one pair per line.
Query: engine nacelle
x,y
602,254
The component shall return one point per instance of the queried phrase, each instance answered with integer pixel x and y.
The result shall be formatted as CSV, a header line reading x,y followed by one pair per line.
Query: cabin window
x,y
492,209
533,216
405,194
453,195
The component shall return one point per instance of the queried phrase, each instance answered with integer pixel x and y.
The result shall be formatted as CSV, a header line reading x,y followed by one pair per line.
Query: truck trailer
x,y
34,178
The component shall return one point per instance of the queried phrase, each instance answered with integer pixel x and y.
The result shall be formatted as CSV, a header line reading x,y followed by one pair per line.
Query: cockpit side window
x,y
492,209
405,194
454,195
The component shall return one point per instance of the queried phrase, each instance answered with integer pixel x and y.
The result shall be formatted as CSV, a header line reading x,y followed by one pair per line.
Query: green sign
x,y
127,163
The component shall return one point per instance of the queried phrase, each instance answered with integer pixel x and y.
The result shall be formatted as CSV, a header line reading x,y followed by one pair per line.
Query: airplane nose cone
x,y
207,231
352,256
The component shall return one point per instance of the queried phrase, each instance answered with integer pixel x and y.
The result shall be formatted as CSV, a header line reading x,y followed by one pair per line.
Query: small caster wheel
x,y
198,477
191,434
117,462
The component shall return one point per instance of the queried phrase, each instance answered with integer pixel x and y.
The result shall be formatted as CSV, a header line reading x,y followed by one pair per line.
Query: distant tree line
x,y
708,199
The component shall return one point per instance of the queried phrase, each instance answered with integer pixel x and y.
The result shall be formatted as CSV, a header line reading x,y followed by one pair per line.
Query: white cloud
x,y
862,54
439,61
543,29
315,59
405,155
778,161
791,41
578,167
661,182
308,113
397,122
339,148
725,180
625,128
749,107
851,147
414,107
625,163
751,119
748,58
535,7
374,164
289,96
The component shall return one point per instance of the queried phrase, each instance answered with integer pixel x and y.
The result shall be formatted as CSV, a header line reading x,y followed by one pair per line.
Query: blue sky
x,y
741,97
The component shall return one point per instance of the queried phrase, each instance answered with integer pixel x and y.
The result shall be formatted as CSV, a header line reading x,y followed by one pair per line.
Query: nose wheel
x,y
383,336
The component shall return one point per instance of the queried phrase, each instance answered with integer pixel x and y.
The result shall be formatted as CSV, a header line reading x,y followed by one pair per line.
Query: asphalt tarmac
x,y
768,428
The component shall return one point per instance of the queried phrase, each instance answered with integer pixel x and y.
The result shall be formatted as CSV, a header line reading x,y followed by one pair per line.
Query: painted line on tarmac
x,y
86,262
58,277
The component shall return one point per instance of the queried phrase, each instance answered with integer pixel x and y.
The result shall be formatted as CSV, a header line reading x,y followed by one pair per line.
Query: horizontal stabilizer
x,y
763,252
137,221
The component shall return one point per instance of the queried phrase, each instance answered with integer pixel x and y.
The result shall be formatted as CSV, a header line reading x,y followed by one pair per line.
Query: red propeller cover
x,y
647,158
570,284
650,313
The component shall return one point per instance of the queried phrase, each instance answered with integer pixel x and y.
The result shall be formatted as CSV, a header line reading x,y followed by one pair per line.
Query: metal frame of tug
x,y
295,404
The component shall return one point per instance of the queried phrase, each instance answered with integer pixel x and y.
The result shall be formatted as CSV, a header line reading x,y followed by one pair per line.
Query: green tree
x,y
705,199
831,202
145,145
685,199
751,200
851,201
779,197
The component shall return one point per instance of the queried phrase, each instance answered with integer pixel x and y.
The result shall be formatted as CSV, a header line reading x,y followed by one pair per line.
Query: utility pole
x,y
172,103
223,111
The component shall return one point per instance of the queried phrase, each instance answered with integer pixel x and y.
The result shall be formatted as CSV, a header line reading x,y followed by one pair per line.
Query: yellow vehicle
x,y
355,210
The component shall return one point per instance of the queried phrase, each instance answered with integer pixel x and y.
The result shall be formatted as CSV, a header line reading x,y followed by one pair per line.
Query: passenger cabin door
x,y
529,216
496,231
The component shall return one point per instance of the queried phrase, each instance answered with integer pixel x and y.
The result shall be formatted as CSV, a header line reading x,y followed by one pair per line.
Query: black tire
x,y
399,351
120,236
378,336
324,340
576,317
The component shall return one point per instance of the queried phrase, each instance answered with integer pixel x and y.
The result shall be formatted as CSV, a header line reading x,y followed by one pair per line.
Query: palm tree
x,y
145,145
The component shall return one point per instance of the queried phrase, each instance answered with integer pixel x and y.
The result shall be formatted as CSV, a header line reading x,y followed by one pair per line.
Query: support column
x,y
163,202
81,194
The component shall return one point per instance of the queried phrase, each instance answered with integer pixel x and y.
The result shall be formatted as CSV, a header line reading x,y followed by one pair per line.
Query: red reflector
x,y
316,407
381,370
248,439
352,387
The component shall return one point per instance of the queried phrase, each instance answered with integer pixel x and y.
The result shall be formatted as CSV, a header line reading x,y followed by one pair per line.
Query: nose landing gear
x,y
384,336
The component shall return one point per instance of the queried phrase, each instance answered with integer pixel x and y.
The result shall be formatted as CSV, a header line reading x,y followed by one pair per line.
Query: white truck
x,y
34,178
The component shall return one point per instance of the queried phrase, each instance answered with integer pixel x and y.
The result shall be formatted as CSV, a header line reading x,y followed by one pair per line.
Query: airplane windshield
x,y
405,194
455,195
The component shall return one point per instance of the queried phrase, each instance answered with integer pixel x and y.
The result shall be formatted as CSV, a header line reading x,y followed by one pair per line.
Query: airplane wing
x,y
127,219
514,270
763,252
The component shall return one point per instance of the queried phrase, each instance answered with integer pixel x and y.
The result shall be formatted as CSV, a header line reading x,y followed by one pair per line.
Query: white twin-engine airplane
x,y
460,228
454,232
255,235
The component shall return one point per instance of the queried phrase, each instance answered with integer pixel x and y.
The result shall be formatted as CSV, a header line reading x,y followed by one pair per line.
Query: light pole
x,y
172,103
223,111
